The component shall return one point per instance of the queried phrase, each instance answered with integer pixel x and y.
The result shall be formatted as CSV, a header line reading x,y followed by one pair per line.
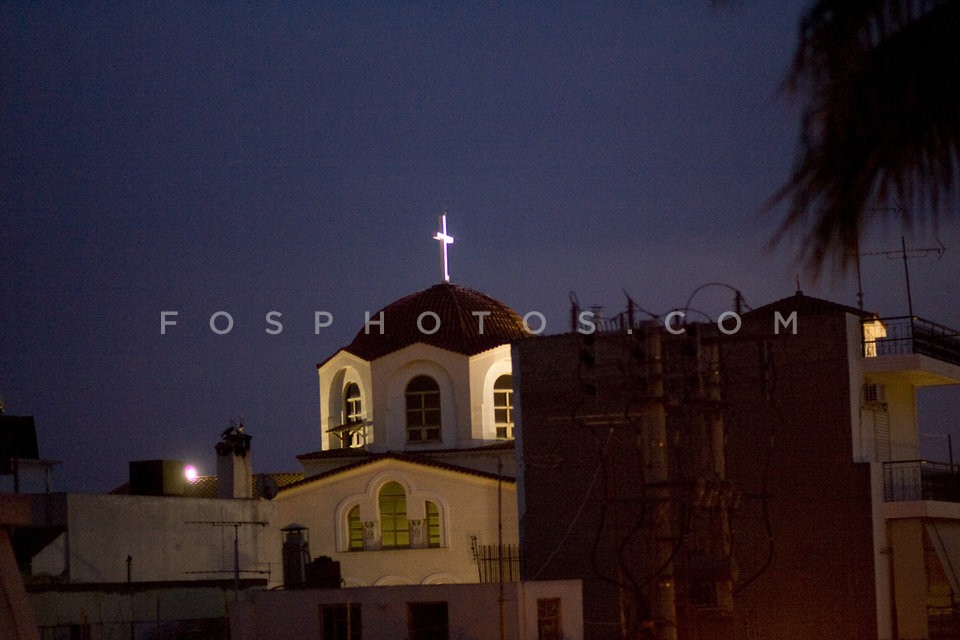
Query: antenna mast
x,y
905,254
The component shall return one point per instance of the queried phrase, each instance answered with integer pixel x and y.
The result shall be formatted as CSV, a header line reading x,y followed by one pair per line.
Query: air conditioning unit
x,y
874,393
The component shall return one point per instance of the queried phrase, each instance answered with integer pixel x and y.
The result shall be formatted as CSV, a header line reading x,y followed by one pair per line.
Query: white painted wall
x,y
466,388
468,507
334,376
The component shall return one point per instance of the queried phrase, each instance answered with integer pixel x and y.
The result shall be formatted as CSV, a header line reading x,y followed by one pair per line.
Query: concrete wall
x,y
17,621
160,536
802,521
803,535
112,610
473,610
610,462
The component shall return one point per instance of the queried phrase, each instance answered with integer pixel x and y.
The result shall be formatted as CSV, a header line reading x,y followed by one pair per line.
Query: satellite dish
x,y
267,487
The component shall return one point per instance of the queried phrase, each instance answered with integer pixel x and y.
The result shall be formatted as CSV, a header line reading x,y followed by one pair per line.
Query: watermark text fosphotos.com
x,y
428,322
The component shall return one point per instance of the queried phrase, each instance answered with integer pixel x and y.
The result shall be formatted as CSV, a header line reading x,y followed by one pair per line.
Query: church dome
x,y
459,310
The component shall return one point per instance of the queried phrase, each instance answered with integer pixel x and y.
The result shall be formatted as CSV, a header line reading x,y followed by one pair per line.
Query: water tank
x,y
323,572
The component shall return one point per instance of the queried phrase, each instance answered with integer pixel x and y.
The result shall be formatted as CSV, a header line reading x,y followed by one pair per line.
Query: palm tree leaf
x,y
881,121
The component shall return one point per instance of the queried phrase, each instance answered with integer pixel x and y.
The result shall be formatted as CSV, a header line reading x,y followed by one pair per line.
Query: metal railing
x,y
498,562
921,480
910,334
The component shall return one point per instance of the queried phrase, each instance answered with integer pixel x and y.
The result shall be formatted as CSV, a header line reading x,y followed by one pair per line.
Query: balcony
x,y
909,480
904,335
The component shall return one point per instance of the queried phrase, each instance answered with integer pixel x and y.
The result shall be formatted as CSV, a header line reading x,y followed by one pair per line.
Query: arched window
x,y
352,406
503,406
433,525
350,431
394,529
423,409
355,527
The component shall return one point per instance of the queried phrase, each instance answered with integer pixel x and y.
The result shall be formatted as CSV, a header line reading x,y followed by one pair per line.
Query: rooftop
x,y
460,312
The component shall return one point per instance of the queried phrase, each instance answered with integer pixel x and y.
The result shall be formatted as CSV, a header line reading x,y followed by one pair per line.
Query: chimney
x,y
234,464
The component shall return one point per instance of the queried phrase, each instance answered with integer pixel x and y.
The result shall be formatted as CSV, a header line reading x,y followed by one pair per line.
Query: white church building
x,y
416,471
413,489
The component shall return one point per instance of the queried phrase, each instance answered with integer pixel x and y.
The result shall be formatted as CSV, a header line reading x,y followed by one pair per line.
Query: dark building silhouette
x,y
758,483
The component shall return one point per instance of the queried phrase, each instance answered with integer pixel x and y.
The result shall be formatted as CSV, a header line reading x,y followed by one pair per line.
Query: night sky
x,y
209,156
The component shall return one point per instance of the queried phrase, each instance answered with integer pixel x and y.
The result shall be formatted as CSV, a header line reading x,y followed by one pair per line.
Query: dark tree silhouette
x,y
879,84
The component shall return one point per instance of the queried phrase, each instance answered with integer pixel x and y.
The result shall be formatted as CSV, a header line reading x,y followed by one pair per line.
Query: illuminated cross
x,y
444,241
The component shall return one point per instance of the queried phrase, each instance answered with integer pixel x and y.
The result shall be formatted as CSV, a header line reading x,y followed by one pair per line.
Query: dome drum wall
x,y
449,372
457,337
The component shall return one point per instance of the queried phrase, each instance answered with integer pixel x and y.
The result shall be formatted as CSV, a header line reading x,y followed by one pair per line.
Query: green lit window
x,y
433,525
423,410
394,529
355,526
503,406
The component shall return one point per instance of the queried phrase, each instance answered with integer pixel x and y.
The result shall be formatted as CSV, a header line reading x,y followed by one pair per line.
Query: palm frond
x,y
880,81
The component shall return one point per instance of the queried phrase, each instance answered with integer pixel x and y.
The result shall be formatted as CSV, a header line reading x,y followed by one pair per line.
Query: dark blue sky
x,y
199,157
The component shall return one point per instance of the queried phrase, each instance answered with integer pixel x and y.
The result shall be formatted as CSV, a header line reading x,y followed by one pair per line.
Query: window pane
x,y
423,409
356,529
423,383
433,525
427,621
340,621
394,529
503,406
549,622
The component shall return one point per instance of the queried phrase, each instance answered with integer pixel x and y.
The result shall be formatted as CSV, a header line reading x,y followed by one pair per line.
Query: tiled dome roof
x,y
459,326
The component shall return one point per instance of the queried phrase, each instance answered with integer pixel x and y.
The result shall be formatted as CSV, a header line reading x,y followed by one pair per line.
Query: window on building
x,y
503,406
340,621
352,405
423,409
433,525
355,527
394,528
548,619
351,431
427,621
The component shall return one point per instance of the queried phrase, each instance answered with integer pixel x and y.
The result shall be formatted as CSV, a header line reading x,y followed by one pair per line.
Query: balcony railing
x,y
921,480
906,334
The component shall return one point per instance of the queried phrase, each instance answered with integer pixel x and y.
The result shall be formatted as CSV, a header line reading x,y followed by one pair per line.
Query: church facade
x,y
415,477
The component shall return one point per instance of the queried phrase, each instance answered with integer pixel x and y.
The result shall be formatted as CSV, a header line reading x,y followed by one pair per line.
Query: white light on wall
x,y
190,473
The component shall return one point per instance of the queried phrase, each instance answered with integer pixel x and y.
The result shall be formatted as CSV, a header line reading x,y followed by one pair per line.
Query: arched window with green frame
x,y
433,524
355,528
394,528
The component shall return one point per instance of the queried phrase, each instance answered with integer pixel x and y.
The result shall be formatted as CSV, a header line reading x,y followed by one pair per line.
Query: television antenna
x,y
236,524
905,254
